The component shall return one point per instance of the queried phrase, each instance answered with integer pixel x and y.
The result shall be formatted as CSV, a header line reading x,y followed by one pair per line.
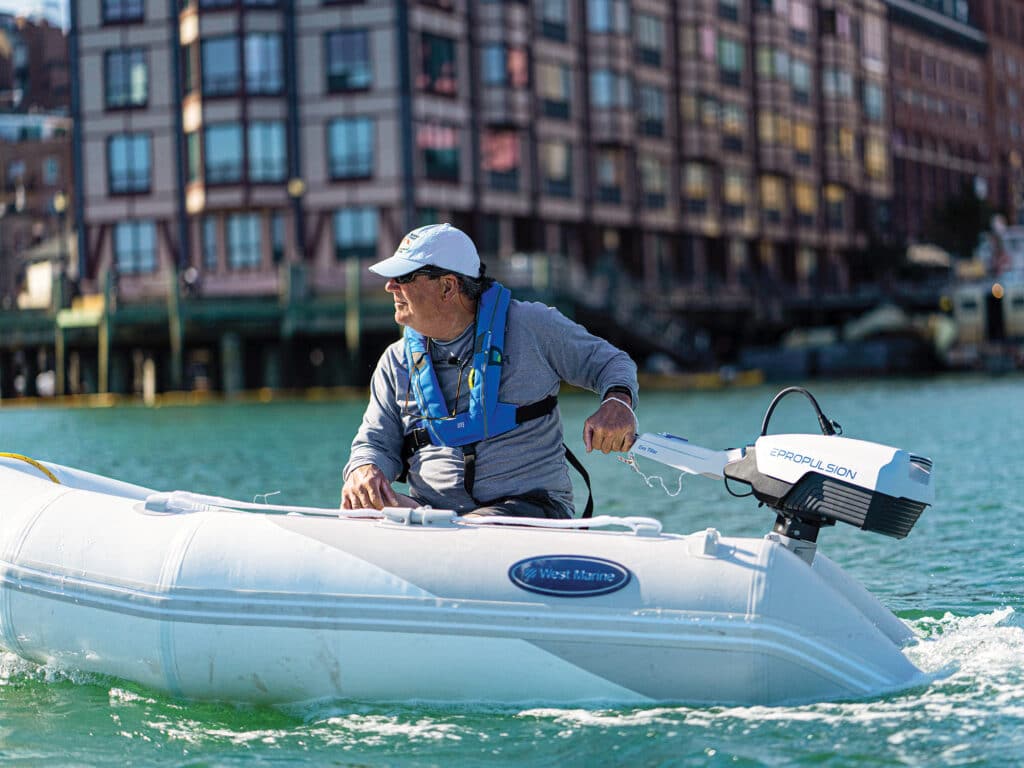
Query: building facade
x,y
711,151
693,140
1003,24
941,143
35,181
34,73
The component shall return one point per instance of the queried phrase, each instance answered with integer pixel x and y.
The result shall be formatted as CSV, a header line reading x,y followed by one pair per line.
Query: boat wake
x,y
972,705
977,661
16,670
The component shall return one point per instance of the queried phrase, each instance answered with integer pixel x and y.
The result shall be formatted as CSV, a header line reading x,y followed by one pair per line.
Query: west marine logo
x,y
569,575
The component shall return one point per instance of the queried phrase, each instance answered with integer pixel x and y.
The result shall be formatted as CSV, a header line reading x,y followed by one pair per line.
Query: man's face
x,y
418,303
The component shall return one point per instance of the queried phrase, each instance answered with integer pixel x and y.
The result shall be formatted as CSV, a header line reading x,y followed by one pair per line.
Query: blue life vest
x,y
486,417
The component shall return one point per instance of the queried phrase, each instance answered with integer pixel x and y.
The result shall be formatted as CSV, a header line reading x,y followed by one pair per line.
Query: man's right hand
x,y
367,488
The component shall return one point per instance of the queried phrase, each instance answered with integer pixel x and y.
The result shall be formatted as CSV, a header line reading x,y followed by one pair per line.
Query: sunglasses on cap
x,y
431,272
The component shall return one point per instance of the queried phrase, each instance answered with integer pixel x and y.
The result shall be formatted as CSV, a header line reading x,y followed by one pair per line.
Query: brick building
x,y
694,142
34,74
942,125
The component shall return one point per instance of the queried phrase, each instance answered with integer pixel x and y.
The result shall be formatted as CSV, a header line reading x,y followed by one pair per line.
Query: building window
x,y
350,148
773,129
837,83
188,68
730,61
51,171
652,110
245,244
697,187
135,247
437,65
263,63
277,237
122,10
608,89
709,112
734,127
653,181
355,233
773,198
128,163
772,63
193,156
835,205
875,161
734,194
874,102
499,150
800,72
126,78
607,16
223,153
805,200
504,65
556,168
840,140
267,156
650,39
348,60
803,142
611,174
439,150
874,38
209,237
493,55
221,74
799,21
554,87
729,10
554,19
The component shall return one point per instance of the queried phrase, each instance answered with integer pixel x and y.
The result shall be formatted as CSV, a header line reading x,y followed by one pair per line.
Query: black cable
x,y
733,493
828,427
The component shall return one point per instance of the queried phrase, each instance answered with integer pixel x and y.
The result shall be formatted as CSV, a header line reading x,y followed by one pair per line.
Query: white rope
x,y
185,502
631,461
639,525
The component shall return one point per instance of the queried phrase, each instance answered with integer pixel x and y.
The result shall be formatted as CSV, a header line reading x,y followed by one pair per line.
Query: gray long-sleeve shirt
x,y
542,349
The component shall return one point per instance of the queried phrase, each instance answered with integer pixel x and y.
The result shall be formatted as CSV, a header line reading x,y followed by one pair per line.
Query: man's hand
x,y
367,488
612,427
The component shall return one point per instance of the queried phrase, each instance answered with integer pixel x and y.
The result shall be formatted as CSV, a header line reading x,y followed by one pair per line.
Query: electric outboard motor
x,y
812,481
816,480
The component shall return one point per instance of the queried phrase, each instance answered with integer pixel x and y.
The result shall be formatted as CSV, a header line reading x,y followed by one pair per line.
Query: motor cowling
x,y
817,480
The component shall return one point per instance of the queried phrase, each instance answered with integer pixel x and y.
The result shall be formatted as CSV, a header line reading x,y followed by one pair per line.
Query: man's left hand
x,y
611,427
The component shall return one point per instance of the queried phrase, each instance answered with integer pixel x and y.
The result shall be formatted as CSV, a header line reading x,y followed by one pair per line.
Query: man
x,y
475,426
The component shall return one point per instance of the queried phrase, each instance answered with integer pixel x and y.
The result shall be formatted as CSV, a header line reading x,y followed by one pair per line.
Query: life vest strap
x,y
588,511
420,438
532,411
469,474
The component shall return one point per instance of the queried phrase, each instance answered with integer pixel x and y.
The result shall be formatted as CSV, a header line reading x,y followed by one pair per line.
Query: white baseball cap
x,y
435,245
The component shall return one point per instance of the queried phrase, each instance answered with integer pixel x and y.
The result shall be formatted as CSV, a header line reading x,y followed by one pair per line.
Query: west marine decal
x,y
569,575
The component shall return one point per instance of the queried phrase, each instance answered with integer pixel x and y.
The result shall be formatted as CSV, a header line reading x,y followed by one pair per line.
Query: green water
x,y
958,580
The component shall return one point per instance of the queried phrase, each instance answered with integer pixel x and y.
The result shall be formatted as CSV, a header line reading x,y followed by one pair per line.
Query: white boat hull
x,y
268,608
